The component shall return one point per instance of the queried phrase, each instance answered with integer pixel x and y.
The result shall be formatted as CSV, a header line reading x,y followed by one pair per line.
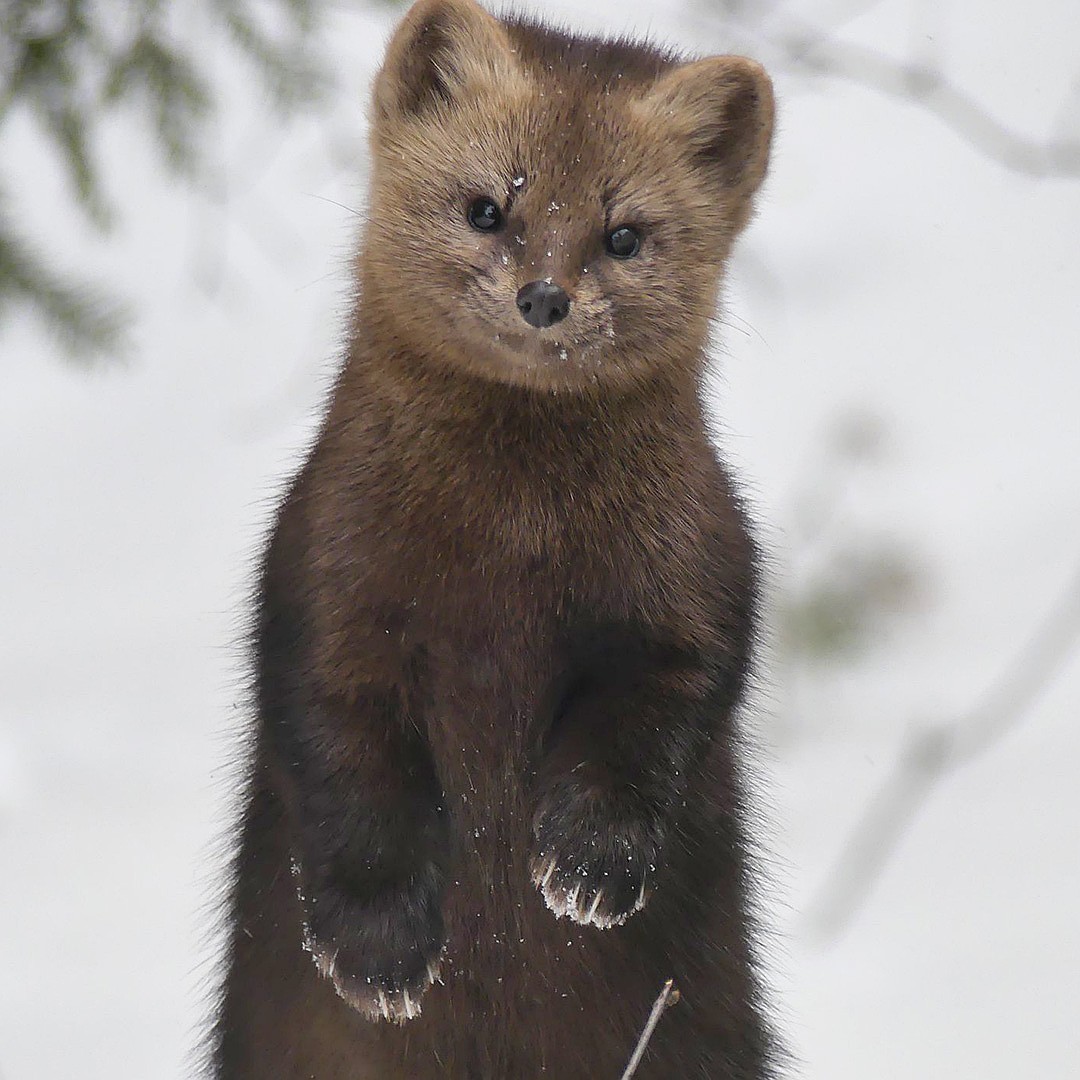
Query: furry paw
x,y
381,952
594,872
375,997
582,901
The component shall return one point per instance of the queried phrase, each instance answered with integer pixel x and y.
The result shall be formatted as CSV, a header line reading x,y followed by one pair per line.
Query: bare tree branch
x,y
932,755
784,41
668,997
925,84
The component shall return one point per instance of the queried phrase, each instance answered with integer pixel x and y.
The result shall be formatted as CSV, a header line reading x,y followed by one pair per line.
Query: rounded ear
x,y
721,111
441,50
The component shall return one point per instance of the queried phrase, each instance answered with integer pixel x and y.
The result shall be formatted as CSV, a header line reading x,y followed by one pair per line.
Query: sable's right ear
x,y
442,49
720,110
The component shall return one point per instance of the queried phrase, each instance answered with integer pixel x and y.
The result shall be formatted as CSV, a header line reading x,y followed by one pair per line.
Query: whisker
x,y
333,202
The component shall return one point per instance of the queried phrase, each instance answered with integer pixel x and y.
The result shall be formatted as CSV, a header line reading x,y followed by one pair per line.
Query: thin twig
x,y
782,40
926,85
932,754
668,997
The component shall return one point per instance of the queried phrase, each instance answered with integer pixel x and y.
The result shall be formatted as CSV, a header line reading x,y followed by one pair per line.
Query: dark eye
x,y
484,214
623,242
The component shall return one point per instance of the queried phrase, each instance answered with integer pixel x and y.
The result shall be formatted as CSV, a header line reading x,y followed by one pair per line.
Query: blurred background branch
x,y
931,755
925,83
788,43
69,64
846,586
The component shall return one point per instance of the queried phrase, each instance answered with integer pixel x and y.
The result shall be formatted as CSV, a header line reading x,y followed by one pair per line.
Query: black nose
x,y
543,304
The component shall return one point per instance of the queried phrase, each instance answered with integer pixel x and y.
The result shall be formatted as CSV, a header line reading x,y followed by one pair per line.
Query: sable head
x,y
549,210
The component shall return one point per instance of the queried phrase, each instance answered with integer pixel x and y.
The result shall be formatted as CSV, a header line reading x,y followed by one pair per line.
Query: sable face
x,y
551,211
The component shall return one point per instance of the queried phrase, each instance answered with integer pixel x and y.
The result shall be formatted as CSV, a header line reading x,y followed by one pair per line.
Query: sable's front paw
x,y
382,950
594,869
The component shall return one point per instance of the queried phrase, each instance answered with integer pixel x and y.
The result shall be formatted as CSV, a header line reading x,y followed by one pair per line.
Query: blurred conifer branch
x,y
932,754
847,585
69,63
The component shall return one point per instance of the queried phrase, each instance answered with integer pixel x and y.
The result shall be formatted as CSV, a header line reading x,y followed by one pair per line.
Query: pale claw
x,y
546,878
595,907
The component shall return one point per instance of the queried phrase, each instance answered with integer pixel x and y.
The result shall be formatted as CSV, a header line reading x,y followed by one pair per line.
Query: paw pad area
x,y
584,902
374,998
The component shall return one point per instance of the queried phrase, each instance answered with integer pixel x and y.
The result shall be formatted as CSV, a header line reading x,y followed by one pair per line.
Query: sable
x,y
508,606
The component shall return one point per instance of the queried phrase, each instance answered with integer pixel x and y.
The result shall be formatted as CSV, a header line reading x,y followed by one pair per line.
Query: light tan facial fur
x,y
570,144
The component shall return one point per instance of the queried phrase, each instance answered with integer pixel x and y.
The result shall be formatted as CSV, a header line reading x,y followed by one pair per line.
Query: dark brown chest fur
x,y
486,569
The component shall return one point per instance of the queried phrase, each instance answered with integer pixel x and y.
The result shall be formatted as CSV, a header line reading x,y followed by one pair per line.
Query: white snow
x,y
894,270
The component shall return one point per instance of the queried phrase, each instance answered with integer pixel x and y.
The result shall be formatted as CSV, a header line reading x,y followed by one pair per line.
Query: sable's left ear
x,y
721,109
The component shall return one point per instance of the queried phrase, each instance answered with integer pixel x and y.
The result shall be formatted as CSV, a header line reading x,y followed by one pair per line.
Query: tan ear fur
x,y
722,110
442,49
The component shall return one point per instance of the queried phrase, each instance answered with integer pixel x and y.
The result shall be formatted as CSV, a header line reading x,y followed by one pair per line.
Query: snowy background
x,y
897,371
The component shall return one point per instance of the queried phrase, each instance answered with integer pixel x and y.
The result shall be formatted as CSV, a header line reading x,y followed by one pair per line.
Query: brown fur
x,y
508,606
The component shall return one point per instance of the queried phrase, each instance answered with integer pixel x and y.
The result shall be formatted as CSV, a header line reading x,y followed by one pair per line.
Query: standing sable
x,y
508,607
